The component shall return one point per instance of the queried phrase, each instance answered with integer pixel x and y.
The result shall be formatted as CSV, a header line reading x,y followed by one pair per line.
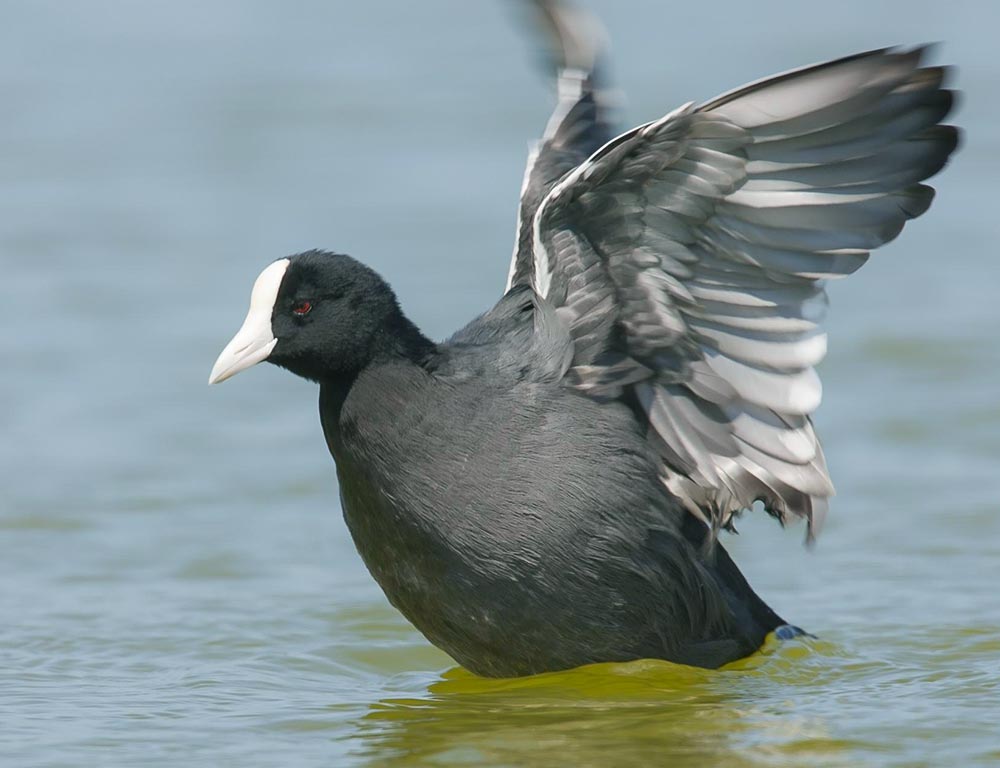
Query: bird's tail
x,y
756,618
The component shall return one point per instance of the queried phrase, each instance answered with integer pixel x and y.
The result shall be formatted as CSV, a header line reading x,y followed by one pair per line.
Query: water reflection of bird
x,y
544,489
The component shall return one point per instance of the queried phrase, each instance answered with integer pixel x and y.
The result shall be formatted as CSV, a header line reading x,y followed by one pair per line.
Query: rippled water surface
x,y
177,584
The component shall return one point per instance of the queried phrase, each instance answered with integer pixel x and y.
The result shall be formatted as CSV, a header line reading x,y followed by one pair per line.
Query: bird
x,y
548,487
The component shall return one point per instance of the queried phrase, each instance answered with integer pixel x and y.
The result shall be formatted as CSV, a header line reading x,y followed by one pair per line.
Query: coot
x,y
545,489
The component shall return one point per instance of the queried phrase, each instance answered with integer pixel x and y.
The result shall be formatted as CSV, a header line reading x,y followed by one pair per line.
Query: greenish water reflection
x,y
640,713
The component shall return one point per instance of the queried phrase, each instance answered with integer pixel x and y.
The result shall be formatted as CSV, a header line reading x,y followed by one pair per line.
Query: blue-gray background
x,y
176,584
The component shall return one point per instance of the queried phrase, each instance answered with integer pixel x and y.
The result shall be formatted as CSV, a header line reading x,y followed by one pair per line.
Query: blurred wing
x,y
579,125
688,257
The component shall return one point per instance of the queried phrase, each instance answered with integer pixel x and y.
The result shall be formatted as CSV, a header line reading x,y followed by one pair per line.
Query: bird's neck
x,y
400,350
401,341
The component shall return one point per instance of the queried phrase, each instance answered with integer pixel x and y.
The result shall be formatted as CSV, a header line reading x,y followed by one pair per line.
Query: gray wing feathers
x,y
688,256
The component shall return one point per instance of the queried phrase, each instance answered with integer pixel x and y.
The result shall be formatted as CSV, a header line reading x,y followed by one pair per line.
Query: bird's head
x,y
320,315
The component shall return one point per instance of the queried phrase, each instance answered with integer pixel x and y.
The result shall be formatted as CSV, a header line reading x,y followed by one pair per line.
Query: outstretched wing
x,y
580,124
688,257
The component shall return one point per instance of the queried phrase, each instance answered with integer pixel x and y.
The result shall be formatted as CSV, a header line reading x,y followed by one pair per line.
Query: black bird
x,y
544,489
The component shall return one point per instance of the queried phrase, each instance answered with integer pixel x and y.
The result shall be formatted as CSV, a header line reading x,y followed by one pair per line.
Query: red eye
x,y
301,308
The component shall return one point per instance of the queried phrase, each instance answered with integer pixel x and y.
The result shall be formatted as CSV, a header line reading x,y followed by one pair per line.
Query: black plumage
x,y
519,525
545,489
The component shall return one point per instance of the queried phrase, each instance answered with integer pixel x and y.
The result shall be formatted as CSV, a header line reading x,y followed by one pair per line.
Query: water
x,y
178,586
